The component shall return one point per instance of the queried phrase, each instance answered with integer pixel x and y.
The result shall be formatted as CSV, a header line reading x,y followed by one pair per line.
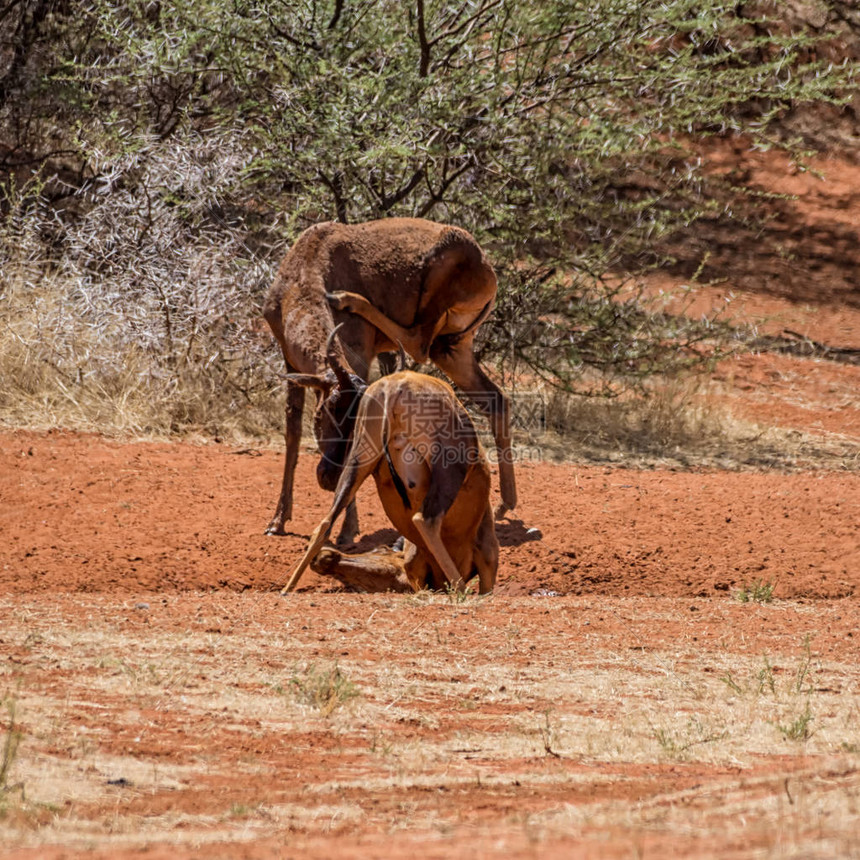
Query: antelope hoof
x,y
501,510
275,529
339,302
346,539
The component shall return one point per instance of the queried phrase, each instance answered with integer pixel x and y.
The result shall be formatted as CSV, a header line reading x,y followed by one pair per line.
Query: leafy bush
x,y
158,158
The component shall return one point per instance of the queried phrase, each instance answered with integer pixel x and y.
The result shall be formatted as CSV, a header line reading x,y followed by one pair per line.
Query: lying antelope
x,y
431,286
432,476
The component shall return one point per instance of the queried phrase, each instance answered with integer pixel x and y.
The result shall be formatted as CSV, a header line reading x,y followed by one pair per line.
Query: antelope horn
x,y
401,356
341,372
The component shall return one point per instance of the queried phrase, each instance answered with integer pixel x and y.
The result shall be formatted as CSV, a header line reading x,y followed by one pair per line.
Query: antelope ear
x,y
309,380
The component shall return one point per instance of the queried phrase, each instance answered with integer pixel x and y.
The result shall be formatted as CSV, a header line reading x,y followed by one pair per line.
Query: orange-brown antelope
x,y
416,439
424,284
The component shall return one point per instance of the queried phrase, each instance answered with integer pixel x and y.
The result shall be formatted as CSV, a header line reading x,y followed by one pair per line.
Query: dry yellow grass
x,y
58,368
629,723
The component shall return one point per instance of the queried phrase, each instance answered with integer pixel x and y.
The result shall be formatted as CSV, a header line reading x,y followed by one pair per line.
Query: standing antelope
x,y
424,284
416,439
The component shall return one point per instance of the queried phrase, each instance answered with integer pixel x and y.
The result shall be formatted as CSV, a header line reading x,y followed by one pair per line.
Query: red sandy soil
x,y
92,528
80,513
799,271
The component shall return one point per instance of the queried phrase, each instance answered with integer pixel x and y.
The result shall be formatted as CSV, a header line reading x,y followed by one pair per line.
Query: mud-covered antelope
x,y
416,439
427,285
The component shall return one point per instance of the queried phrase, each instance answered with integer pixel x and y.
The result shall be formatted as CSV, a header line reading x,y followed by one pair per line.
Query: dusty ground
x,y
613,698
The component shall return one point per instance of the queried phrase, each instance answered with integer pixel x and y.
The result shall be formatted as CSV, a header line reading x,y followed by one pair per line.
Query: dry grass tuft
x,y
60,369
679,423
323,689
671,416
11,739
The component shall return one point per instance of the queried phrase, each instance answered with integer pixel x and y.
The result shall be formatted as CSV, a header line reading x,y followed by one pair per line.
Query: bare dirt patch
x,y
83,514
612,698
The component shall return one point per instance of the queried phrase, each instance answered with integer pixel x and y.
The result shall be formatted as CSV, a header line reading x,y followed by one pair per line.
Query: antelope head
x,y
339,392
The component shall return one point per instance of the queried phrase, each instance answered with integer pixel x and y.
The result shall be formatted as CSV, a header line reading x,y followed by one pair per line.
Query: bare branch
x,y
335,185
471,20
338,9
422,41
388,201
438,195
